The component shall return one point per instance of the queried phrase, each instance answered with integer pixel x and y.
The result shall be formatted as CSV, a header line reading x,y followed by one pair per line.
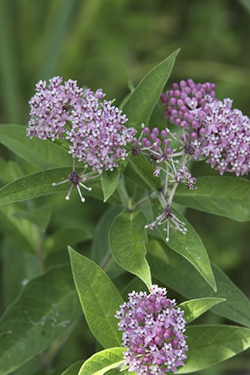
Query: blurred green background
x,y
111,44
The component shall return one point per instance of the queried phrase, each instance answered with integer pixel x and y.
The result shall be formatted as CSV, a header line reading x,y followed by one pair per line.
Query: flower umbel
x,y
93,127
153,332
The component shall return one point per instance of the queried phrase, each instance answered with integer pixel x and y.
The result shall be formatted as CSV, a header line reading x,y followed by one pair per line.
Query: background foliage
x,y
110,44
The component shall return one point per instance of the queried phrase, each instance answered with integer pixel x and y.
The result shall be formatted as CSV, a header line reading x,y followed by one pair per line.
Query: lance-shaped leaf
x,y
19,229
224,196
102,362
40,216
109,180
143,99
36,151
127,238
44,310
99,299
40,183
209,345
144,170
176,272
196,307
188,245
73,369
66,236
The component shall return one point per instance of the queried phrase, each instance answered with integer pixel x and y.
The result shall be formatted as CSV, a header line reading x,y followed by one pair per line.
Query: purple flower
x,y
187,104
226,138
94,127
211,128
153,332
52,106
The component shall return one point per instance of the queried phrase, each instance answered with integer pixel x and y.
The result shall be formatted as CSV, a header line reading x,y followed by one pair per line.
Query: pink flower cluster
x,y
94,127
153,332
210,126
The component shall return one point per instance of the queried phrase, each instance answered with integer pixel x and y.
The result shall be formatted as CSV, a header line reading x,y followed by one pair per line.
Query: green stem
x,y
123,194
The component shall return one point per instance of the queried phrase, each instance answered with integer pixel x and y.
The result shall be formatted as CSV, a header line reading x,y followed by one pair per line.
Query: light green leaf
x,y
188,245
36,151
44,310
196,307
102,362
143,99
224,196
176,272
99,299
40,183
127,238
40,216
109,180
66,236
18,229
73,369
209,345
144,170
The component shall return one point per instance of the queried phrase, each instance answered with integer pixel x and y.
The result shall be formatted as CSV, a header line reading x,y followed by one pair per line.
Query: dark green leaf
x,y
102,362
143,99
100,244
127,238
99,299
145,171
66,236
209,345
46,307
196,307
224,196
109,180
17,268
40,183
188,245
177,273
43,154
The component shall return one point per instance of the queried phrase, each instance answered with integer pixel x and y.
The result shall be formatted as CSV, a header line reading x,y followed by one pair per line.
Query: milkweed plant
x,y
137,159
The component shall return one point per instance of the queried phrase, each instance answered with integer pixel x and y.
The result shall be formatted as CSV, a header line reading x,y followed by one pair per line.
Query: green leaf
x,y
40,216
100,243
145,171
136,285
99,299
17,268
143,99
40,183
66,236
174,271
44,310
109,180
18,229
224,196
102,362
209,345
188,245
36,151
196,307
9,171
127,238
73,369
